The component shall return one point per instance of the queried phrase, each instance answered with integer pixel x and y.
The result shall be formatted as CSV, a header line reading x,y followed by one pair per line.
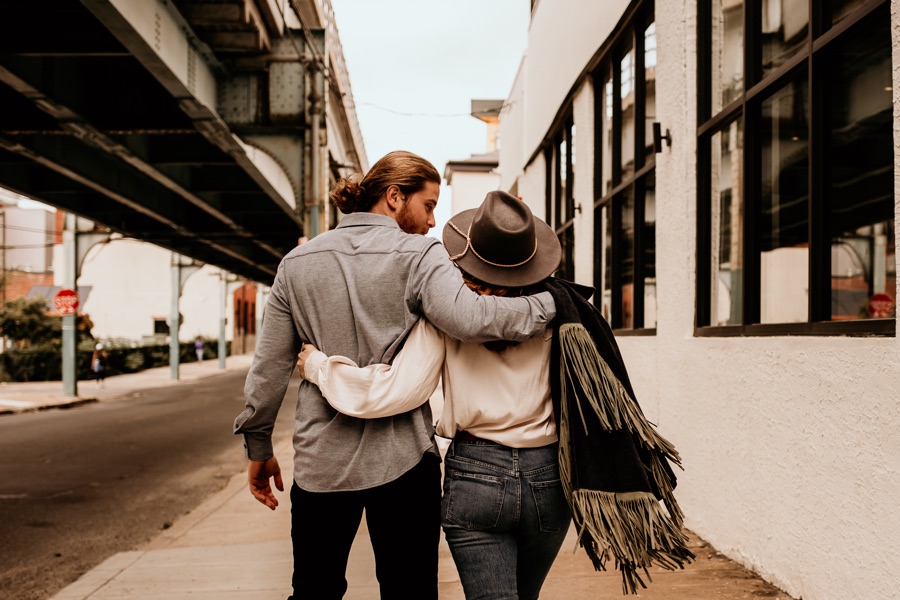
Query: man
x,y
357,291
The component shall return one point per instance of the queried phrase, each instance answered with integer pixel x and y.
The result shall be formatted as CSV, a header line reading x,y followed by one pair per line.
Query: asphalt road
x,y
79,485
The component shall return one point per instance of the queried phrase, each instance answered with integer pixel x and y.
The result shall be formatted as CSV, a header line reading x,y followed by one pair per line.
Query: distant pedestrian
x,y
98,364
198,348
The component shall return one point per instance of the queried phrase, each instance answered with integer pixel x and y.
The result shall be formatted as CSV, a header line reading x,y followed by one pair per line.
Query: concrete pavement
x,y
232,548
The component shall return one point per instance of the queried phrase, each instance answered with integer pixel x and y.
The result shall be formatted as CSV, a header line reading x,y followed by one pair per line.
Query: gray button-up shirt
x,y
357,291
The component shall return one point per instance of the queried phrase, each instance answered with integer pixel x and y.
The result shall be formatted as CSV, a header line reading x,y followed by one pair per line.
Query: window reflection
x,y
649,245
785,24
626,257
562,174
649,87
727,215
842,8
727,52
604,277
627,99
860,176
784,218
607,150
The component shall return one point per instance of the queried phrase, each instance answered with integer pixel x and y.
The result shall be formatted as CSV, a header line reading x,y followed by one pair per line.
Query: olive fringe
x,y
632,528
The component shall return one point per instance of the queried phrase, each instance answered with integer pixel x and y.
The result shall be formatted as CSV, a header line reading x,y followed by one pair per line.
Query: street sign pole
x,y
69,350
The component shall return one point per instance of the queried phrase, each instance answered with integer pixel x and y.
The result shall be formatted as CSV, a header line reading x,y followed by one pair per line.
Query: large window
x,y
796,231
560,209
625,177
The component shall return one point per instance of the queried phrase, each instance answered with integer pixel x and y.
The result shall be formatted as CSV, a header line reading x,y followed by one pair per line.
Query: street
x,y
79,485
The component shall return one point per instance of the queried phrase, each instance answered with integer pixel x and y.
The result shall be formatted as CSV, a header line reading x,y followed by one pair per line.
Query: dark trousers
x,y
403,518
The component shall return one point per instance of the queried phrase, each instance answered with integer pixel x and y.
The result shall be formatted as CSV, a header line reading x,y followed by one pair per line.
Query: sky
x,y
416,65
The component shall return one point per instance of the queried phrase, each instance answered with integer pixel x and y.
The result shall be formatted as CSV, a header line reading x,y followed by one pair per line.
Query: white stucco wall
x,y
468,189
132,284
512,128
790,444
563,37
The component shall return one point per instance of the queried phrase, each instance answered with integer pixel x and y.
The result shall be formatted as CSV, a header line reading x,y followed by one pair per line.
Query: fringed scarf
x,y
613,464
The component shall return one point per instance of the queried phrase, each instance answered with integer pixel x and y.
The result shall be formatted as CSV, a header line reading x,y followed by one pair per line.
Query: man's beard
x,y
407,223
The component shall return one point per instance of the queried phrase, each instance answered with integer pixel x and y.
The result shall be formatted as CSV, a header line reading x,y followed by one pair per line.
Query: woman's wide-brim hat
x,y
501,242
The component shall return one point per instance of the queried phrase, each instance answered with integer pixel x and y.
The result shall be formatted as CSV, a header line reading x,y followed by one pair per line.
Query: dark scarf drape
x,y
614,465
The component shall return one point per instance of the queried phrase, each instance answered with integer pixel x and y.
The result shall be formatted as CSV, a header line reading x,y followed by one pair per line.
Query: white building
x,y
131,295
745,255
472,178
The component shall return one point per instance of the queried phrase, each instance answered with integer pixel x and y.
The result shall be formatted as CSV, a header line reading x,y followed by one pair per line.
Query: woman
x,y
506,503
98,364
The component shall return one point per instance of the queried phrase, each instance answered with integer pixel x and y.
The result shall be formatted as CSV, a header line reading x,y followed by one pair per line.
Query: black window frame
x,y
630,36
811,60
560,205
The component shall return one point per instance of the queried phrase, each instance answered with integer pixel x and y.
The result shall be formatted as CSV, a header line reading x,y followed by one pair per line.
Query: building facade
x,y
723,173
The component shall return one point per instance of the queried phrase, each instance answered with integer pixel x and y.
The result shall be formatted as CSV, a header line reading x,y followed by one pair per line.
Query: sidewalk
x,y
45,395
232,548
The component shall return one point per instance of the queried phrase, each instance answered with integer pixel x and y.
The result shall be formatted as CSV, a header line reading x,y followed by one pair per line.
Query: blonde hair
x,y
406,170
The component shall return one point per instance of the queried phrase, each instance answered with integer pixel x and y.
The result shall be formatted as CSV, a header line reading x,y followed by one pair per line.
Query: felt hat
x,y
501,242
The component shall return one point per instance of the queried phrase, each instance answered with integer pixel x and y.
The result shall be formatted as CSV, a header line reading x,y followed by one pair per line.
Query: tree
x,y
28,323
25,322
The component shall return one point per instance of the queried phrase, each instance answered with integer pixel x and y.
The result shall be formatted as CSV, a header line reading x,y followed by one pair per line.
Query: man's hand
x,y
305,352
258,474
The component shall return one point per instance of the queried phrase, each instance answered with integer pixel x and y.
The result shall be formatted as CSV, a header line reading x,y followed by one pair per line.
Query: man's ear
x,y
394,197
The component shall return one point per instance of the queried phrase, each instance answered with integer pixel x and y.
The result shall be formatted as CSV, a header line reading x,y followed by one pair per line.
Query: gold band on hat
x,y
481,258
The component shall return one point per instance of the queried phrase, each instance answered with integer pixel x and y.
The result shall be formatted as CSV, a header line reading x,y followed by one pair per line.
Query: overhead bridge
x,y
188,124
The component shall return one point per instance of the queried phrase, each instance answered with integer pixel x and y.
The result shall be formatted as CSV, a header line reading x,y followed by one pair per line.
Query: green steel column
x,y
223,306
69,342
175,319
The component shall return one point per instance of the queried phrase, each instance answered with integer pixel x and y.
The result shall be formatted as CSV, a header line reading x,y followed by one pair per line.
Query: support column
x,y
180,272
223,318
69,342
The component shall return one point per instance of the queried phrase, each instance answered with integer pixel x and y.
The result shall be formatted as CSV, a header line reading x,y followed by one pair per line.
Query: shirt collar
x,y
359,219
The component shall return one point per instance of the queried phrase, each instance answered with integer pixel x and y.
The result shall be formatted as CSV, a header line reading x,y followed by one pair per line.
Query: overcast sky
x,y
429,59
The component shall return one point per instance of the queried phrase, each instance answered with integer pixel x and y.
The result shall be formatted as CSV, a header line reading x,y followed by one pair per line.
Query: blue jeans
x,y
504,515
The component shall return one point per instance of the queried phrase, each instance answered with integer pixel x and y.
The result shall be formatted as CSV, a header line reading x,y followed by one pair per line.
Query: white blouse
x,y
499,396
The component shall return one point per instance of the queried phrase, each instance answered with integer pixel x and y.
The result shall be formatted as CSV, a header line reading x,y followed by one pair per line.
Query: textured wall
x,y
790,444
131,286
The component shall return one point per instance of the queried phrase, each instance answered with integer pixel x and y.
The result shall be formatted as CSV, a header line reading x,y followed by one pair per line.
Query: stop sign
x,y
66,302
881,306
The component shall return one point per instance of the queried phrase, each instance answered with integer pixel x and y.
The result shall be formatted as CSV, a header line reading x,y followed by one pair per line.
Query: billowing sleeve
x,y
437,290
381,390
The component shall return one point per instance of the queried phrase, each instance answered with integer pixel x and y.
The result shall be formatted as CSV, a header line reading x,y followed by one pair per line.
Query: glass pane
x,y
650,87
626,257
606,149
627,98
727,218
570,185
784,218
649,251
561,173
567,264
785,24
727,52
603,277
840,9
860,174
